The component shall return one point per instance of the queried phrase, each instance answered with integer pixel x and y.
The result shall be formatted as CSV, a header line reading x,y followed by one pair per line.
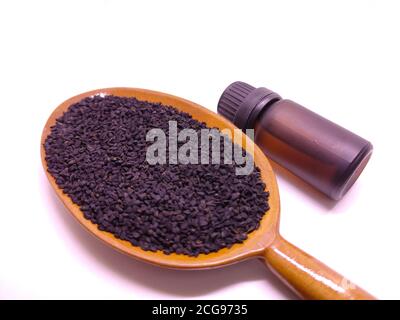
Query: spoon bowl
x,y
304,274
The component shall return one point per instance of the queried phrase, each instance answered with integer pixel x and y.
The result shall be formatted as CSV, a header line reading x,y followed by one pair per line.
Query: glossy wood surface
x,y
303,273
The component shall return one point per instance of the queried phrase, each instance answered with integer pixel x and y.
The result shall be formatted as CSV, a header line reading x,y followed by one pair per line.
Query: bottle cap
x,y
241,103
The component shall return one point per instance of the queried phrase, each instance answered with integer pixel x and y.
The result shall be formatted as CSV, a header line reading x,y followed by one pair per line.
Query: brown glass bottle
x,y
322,153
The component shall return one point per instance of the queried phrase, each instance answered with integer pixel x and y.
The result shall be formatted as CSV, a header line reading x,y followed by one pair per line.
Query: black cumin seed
x,y
96,153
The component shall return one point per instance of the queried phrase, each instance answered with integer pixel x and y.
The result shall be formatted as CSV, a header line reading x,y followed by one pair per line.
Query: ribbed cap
x,y
232,98
241,103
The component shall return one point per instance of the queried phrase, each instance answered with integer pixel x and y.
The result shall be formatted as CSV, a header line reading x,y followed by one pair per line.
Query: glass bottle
x,y
325,155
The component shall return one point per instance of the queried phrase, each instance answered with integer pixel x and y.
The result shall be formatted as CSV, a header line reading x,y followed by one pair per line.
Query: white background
x,y
339,58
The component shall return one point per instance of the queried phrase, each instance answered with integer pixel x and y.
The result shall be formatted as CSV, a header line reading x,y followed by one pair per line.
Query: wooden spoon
x,y
307,276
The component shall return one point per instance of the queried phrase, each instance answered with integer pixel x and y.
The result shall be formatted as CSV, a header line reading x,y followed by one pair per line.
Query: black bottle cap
x,y
241,103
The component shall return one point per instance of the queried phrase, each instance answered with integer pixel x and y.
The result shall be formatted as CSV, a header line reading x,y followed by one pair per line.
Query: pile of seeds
x,y
96,152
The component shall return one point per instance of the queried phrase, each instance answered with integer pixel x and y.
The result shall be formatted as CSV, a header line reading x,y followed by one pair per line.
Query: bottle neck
x,y
262,100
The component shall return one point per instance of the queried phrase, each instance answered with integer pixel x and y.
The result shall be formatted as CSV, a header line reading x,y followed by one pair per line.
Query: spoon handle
x,y
308,277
